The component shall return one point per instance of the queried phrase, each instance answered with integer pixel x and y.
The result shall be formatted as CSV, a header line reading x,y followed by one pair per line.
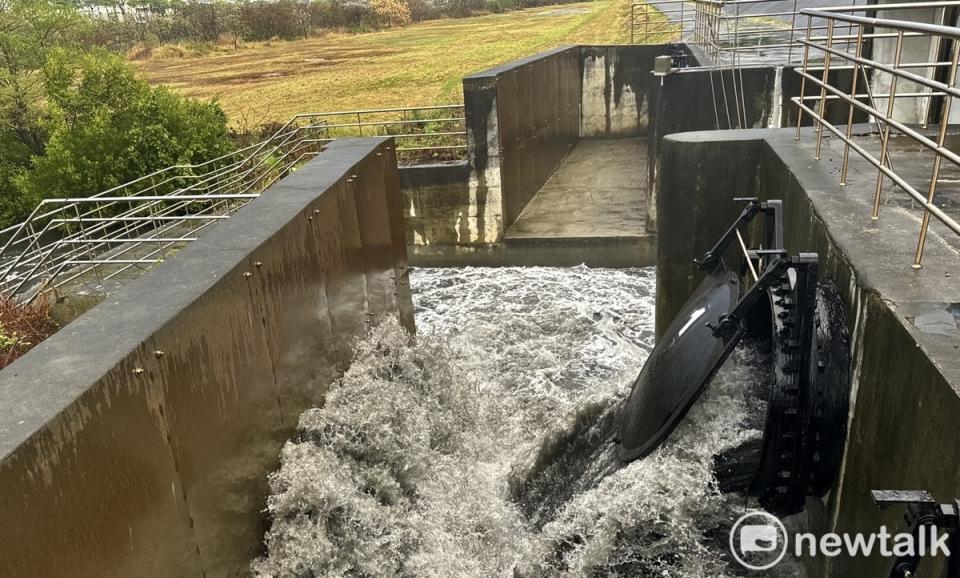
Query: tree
x,y
29,29
107,126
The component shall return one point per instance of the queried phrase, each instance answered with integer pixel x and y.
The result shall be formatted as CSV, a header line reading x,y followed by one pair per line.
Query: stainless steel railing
x,y
658,23
423,134
730,32
68,244
931,81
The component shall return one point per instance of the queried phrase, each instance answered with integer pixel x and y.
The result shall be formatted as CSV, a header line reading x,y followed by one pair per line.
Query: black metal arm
x,y
774,212
806,266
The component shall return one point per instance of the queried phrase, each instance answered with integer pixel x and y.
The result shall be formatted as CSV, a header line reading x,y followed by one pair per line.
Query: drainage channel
x,y
486,447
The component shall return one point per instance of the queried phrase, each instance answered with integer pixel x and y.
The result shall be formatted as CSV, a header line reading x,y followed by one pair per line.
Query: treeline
x,y
126,24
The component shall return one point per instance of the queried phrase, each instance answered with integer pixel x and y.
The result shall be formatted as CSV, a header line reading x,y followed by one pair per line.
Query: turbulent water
x,y
484,446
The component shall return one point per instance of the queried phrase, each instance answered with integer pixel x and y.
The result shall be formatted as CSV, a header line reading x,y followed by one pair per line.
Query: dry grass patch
x,y
420,64
22,326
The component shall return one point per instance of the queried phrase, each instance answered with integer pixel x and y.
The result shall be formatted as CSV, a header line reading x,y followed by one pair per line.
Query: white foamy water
x,y
483,447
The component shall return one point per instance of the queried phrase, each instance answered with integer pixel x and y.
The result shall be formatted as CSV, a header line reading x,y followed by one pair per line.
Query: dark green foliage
x,y
107,126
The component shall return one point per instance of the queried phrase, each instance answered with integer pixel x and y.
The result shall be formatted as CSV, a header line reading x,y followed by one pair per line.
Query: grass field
x,y
420,64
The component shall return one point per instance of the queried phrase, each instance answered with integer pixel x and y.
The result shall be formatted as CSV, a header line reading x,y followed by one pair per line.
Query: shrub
x,y
107,126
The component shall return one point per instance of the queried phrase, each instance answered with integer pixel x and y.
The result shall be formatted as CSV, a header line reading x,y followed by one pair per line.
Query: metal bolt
x,y
310,218
316,211
138,371
158,354
247,274
259,263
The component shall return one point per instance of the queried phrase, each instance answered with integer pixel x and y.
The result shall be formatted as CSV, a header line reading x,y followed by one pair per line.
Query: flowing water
x,y
484,446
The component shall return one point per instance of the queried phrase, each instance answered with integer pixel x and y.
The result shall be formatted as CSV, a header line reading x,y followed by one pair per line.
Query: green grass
x,y
650,26
419,64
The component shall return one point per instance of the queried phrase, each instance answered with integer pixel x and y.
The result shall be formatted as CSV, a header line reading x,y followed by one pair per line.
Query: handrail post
x,y
803,77
823,89
646,23
793,29
682,23
885,139
935,177
853,98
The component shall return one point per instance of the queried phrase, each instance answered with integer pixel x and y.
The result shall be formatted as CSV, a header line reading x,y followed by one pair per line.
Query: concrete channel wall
x,y
906,369
436,203
617,89
522,119
137,440
699,99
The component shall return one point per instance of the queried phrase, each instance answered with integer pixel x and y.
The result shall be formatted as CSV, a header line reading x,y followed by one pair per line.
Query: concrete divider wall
x,y
523,117
723,99
905,380
696,99
696,207
137,440
436,203
538,121
617,87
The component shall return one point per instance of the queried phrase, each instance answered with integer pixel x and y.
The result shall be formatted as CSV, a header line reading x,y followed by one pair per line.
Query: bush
x,y
107,126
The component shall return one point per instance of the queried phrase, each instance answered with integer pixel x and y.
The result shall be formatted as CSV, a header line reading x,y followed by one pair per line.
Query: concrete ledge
x,y
613,252
136,441
492,73
415,176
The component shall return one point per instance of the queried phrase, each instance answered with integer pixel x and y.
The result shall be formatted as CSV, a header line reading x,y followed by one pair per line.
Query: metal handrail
x,y
125,229
868,67
730,31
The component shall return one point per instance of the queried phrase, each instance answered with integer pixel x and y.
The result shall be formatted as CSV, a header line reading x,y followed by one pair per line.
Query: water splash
x,y
483,447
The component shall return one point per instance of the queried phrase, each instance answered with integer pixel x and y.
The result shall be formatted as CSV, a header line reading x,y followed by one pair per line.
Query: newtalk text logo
x,y
759,541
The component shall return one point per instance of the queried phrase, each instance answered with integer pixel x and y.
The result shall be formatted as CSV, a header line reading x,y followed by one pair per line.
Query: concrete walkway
x,y
598,191
593,209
